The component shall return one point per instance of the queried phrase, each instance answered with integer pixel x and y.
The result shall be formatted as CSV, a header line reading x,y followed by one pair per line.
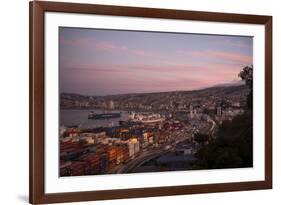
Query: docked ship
x,y
148,118
95,116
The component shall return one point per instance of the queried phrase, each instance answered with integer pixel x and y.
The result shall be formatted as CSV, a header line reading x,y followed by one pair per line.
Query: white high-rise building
x,y
191,112
111,105
219,111
134,146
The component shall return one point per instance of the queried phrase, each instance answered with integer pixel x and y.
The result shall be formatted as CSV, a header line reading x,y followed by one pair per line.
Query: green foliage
x,y
233,144
200,138
247,75
232,147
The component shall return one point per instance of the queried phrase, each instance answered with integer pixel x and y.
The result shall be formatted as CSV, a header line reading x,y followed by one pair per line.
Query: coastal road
x,y
150,154
138,161
213,125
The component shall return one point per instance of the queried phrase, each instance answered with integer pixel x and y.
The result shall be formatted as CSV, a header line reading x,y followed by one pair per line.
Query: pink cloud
x,y
108,46
202,70
191,68
227,56
148,78
96,68
237,44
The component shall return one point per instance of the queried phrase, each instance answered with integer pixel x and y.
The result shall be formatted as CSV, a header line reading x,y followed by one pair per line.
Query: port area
x,y
143,143
168,157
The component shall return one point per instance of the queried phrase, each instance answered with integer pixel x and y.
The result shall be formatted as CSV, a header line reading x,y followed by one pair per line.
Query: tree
x,y
201,138
247,75
233,145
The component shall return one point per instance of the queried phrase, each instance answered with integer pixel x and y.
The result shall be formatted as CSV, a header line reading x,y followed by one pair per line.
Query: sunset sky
x,y
106,62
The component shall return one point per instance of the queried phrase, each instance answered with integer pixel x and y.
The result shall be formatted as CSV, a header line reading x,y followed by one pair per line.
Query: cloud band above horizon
x,y
107,62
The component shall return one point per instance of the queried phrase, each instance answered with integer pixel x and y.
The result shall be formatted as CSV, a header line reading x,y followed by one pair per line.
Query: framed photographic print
x,y
139,102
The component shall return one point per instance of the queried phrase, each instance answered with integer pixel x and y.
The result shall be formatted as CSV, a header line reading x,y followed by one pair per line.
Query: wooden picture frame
x,y
37,10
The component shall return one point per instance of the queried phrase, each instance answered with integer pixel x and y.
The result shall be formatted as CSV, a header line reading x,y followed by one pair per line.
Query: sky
x,y
107,62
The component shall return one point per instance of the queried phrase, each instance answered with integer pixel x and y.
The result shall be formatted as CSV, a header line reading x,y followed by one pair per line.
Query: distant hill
x,y
234,93
232,84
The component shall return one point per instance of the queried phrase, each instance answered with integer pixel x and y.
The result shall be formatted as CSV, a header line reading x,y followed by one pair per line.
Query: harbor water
x,y
79,117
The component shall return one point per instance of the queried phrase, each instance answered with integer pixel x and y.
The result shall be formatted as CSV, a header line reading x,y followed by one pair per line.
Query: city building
x,y
111,105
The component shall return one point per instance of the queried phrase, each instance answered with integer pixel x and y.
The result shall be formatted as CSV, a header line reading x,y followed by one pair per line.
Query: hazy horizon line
x,y
196,89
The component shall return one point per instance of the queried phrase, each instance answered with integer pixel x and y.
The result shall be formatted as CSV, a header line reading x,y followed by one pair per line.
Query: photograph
x,y
142,101
148,101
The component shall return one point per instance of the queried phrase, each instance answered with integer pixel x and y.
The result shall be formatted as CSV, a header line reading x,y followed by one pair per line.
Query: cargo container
x,y
104,163
79,168
93,161
112,154
69,145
